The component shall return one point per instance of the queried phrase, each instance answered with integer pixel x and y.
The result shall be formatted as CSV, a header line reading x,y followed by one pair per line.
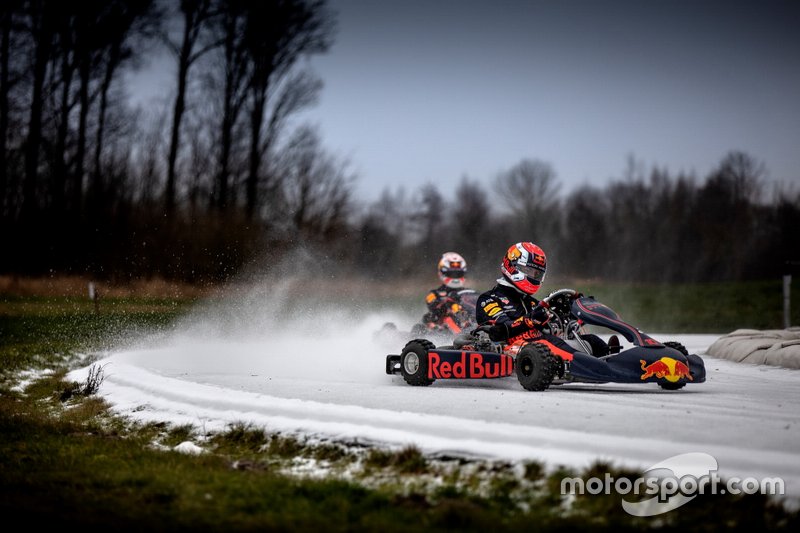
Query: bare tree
x,y
316,187
149,161
585,234
727,215
8,11
124,22
66,41
200,163
742,175
42,26
230,26
530,190
382,236
529,187
431,219
293,93
277,34
470,220
196,15
88,18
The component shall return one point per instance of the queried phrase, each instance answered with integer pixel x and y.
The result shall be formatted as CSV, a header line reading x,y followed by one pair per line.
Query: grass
x,y
698,307
66,461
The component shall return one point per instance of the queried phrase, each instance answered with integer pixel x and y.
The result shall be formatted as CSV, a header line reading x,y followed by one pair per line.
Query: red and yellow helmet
x,y
452,269
524,266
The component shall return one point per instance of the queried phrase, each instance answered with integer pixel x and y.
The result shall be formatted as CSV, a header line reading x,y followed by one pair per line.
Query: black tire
x,y
681,348
677,346
414,362
535,366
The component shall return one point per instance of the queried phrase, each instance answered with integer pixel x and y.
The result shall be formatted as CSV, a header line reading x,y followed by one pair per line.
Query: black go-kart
x,y
459,316
537,366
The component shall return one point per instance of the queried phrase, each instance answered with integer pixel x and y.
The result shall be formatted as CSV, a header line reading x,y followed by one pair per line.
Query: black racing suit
x,y
514,317
439,303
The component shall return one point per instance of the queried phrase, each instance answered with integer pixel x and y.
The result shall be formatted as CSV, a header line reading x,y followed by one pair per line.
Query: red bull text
x,y
468,365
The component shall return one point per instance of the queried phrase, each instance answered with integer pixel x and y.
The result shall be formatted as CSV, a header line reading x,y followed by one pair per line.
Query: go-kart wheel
x,y
677,346
414,362
667,385
535,366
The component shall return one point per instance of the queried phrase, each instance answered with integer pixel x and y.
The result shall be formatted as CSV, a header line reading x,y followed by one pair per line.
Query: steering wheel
x,y
559,303
560,293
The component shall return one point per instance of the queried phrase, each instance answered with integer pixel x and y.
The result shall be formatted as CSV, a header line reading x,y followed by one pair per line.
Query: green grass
x,y
697,307
52,339
66,461
674,308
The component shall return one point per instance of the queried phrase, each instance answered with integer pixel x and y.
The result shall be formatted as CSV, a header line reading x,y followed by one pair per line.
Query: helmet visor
x,y
453,272
534,274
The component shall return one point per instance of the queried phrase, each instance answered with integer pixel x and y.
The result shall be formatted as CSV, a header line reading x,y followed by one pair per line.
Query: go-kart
x,y
459,316
537,364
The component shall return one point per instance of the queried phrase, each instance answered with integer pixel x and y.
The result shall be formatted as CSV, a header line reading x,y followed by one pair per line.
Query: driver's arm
x,y
504,324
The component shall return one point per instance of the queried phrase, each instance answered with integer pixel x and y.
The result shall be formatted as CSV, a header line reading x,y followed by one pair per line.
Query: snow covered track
x,y
746,416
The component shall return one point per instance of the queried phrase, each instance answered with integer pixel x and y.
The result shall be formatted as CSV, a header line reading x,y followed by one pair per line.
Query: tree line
x,y
647,225
223,172
91,184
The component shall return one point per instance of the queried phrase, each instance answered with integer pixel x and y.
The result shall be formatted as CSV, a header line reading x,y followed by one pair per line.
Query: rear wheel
x,y
535,366
681,384
414,362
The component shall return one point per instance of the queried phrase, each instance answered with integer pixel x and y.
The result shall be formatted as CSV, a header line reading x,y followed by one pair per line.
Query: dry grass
x,y
78,287
75,289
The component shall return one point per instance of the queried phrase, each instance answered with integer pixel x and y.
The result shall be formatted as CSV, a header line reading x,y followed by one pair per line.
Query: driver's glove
x,y
539,315
498,332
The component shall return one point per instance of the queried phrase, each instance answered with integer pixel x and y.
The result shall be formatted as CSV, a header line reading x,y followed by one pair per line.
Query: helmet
x,y
524,266
452,269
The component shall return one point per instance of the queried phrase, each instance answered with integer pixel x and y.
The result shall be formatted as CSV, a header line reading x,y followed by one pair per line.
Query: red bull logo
x,y
666,368
469,365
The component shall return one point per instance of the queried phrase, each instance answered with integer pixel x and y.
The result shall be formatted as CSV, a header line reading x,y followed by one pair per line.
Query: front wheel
x,y
414,362
677,346
667,385
535,367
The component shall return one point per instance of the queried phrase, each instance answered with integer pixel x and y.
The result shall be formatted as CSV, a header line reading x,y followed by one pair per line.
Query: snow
x,y
26,377
188,447
325,378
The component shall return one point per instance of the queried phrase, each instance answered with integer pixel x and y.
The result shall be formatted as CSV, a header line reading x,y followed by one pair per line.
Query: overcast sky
x,y
430,91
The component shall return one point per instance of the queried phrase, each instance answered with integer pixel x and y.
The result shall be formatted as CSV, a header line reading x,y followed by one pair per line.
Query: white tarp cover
x,y
779,347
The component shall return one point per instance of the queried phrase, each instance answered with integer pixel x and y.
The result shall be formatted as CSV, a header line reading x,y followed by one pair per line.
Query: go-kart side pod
x,y
421,363
665,364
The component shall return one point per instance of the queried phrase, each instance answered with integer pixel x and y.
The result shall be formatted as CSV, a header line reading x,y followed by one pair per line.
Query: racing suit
x,y
516,319
440,302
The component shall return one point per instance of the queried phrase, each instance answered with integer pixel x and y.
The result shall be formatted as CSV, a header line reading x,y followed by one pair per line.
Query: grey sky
x,y
429,91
